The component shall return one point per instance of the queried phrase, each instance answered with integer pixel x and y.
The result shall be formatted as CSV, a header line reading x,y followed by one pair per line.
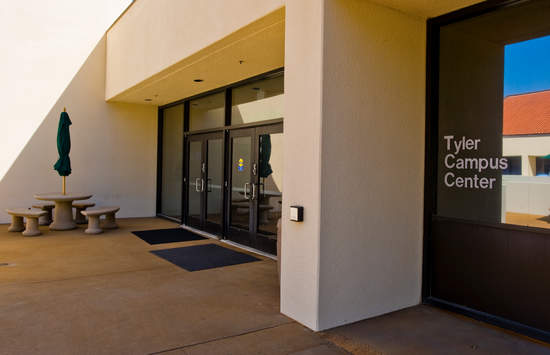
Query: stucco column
x,y
302,147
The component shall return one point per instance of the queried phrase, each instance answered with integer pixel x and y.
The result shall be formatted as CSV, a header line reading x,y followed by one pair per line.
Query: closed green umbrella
x,y
63,164
265,155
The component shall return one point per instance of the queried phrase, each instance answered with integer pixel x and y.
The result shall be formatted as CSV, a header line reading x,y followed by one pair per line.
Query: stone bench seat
x,y
94,215
80,206
46,219
31,215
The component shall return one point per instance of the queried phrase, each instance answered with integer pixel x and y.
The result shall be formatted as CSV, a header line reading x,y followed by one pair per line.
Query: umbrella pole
x,y
64,185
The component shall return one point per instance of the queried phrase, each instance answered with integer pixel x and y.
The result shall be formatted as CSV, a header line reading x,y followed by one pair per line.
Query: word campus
x,y
455,164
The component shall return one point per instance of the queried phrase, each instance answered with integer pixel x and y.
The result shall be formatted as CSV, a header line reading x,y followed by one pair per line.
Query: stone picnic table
x,y
63,213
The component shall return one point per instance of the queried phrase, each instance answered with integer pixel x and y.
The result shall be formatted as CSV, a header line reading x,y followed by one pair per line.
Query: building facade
x,y
221,115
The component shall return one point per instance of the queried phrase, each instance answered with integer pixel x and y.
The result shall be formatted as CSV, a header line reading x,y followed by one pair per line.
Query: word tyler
x,y
453,161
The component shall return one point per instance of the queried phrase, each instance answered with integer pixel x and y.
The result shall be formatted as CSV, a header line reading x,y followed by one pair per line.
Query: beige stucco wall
x,y
154,35
372,161
354,157
527,193
44,46
113,150
528,147
302,160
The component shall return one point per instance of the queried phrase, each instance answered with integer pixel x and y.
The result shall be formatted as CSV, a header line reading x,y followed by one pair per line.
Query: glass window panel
x,y
172,159
240,175
494,127
214,205
271,182
259,101
207,112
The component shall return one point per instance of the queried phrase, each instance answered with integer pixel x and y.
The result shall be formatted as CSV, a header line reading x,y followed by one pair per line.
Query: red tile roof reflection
x,y
527,114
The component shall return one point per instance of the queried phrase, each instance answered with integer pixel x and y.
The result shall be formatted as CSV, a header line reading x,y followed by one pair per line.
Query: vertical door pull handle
x,y
197,184
246,190
253,191
202,185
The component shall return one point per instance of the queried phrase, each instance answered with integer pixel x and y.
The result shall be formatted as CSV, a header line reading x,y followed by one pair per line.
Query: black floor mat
x,y
204,256
172,235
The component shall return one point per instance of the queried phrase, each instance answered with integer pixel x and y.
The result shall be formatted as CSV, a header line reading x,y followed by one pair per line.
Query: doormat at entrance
x,y
204,256
172,235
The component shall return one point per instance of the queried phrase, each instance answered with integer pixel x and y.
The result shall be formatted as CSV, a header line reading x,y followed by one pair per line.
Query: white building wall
x,y
527,193
528,147
113,151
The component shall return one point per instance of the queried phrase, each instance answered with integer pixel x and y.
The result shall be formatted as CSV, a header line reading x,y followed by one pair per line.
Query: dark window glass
x,y
543,166
493,159
514,166
172,160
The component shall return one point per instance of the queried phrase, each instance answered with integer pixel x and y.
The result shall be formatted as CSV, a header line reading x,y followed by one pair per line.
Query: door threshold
x,y
237,245
252,250
201,232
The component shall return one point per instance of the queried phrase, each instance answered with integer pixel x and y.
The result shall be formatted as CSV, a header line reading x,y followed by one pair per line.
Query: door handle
x,y
246,190
253,191
209,185
197,184
202,185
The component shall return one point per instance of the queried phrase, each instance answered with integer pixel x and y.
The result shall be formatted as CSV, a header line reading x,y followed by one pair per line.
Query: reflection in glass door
x,y
240,208
214,184
205,188
255,186
270,186
195,183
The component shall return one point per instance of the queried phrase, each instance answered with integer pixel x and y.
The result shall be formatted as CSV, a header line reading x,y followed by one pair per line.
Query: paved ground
x,y
70,293
429,330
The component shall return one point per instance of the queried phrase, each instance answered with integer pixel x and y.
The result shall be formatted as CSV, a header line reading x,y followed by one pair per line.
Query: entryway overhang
x,y
252,50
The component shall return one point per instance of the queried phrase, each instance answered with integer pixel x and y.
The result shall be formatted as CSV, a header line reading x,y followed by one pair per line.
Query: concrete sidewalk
x,y
429,330
71,293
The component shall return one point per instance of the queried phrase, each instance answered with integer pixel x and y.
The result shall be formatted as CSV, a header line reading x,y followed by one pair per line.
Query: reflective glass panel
x,y
270,171
172,159
214,184
207,112
494,121
259,101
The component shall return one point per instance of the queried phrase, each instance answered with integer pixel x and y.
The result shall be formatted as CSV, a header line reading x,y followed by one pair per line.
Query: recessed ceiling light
x,y
148,100
198,80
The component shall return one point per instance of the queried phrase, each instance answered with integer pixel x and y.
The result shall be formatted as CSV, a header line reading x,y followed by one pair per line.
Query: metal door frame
x,y
203,138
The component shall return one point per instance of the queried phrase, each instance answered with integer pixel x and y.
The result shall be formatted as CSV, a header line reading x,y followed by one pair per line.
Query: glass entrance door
x,y
255,193
206,181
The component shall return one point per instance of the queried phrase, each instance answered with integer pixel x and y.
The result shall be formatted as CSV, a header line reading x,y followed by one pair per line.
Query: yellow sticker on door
x,y
240,165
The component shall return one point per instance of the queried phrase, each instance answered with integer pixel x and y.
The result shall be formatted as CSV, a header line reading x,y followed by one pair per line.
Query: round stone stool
x,y
80,206
94,216
31,215
46,219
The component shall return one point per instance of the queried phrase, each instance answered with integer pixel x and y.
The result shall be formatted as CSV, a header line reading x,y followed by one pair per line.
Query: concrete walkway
x,y
71,293
426,330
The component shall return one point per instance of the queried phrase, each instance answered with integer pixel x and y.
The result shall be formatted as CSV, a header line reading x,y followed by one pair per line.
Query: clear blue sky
x,y
527,66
